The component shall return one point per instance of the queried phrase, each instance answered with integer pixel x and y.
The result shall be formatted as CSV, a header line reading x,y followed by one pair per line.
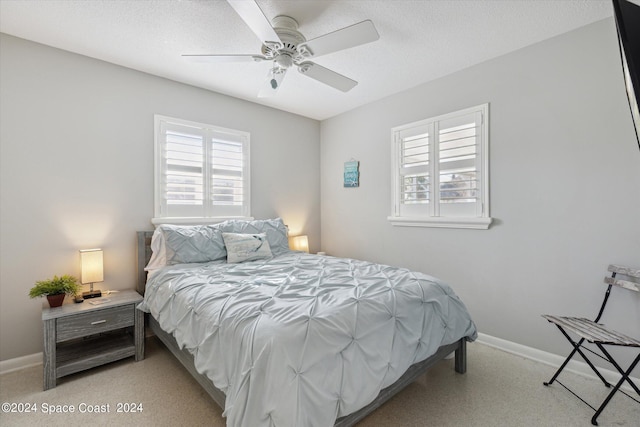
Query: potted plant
x,y
55,289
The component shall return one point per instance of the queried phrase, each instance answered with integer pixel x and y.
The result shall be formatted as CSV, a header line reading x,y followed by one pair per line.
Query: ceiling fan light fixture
x,y
283,61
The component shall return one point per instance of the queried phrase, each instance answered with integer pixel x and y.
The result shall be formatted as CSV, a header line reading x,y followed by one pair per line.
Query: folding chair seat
x,y
599,335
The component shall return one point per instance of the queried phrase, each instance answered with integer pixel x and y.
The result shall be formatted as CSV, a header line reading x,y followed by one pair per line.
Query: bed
x,y
287,338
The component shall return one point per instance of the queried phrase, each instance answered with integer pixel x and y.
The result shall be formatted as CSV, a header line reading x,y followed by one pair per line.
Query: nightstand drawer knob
x,y
97,322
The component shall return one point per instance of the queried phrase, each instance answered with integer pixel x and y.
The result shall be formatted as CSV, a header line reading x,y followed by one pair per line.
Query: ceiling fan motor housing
x,y
285,54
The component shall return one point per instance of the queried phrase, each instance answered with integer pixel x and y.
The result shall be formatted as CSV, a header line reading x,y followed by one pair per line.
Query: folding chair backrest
x,y
622,283
625,271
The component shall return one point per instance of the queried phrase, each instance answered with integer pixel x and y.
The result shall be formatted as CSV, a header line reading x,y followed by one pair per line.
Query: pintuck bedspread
x,y
299,339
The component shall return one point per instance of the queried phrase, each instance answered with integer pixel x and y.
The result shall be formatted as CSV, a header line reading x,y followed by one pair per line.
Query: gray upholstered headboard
x,y
144,255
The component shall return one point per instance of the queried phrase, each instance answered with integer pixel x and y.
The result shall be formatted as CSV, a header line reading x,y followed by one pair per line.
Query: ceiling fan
x,y
283,44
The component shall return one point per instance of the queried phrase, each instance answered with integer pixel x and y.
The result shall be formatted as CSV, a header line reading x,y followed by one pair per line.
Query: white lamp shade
x,y
91,266
299,243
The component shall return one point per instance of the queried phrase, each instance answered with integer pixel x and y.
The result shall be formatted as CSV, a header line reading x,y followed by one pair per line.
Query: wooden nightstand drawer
x,y
94,322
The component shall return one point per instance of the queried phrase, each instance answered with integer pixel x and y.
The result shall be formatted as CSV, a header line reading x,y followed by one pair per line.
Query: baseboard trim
x,y
18,363
574,366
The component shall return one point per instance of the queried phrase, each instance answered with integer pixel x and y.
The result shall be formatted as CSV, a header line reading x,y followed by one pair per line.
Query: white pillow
x,y
246,247
158,252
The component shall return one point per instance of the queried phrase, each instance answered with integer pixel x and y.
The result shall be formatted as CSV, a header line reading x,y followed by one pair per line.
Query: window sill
x,y
441,222
196,221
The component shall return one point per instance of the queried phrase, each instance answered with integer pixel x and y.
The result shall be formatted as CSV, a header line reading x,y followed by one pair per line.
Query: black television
x,y
627,16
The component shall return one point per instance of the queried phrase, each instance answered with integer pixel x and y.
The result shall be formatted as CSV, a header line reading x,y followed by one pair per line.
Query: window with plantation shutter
x,y
440,171
201,172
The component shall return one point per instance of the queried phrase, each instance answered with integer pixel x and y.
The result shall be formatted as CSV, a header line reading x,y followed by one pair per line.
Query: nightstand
x,y
85,335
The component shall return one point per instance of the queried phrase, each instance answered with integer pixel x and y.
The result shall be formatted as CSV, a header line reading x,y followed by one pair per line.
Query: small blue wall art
x,y
351,173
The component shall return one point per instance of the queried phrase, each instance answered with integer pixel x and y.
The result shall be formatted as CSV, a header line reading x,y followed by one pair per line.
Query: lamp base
x,y
92,294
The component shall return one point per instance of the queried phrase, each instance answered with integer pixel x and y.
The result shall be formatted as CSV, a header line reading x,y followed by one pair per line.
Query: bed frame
x,y
414,371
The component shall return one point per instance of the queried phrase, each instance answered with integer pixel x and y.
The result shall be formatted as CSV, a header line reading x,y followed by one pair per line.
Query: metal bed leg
x,y
461,357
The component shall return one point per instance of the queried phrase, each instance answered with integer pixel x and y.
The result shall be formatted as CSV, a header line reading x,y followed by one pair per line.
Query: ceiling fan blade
x,y
354,35
326,76
252,15
272,83
218,59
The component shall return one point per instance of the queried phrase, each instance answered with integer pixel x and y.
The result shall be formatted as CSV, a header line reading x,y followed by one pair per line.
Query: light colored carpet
x,y
499,389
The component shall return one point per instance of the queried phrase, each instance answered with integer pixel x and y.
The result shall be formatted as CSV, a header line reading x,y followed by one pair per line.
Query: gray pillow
x,y
192,243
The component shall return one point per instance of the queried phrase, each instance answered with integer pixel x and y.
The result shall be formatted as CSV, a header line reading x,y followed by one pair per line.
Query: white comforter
x,y
300,340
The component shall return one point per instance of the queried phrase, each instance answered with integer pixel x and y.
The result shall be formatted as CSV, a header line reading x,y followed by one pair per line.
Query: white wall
x,y
76,153
565,187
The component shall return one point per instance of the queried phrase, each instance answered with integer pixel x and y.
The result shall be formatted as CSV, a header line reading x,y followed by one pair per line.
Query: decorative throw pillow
x,y
275,230
246,247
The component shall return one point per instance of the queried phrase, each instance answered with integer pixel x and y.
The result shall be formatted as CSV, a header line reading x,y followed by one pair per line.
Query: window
x,y
201,172
440,171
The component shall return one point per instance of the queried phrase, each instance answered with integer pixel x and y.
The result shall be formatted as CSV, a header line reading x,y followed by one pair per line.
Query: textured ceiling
x,y
419,40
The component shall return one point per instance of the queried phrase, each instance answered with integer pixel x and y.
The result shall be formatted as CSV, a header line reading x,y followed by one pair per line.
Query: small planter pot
x,y
55,300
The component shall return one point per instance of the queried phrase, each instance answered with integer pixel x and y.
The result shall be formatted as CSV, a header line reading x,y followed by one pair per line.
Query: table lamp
x,y
299,243
91,270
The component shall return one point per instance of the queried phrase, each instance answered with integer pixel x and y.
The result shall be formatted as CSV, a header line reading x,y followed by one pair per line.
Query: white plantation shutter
x,y
441,171
459,146
414,169
227,177
202,171
183,172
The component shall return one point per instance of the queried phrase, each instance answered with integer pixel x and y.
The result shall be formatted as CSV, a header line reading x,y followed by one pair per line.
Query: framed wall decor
x,y
351,173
